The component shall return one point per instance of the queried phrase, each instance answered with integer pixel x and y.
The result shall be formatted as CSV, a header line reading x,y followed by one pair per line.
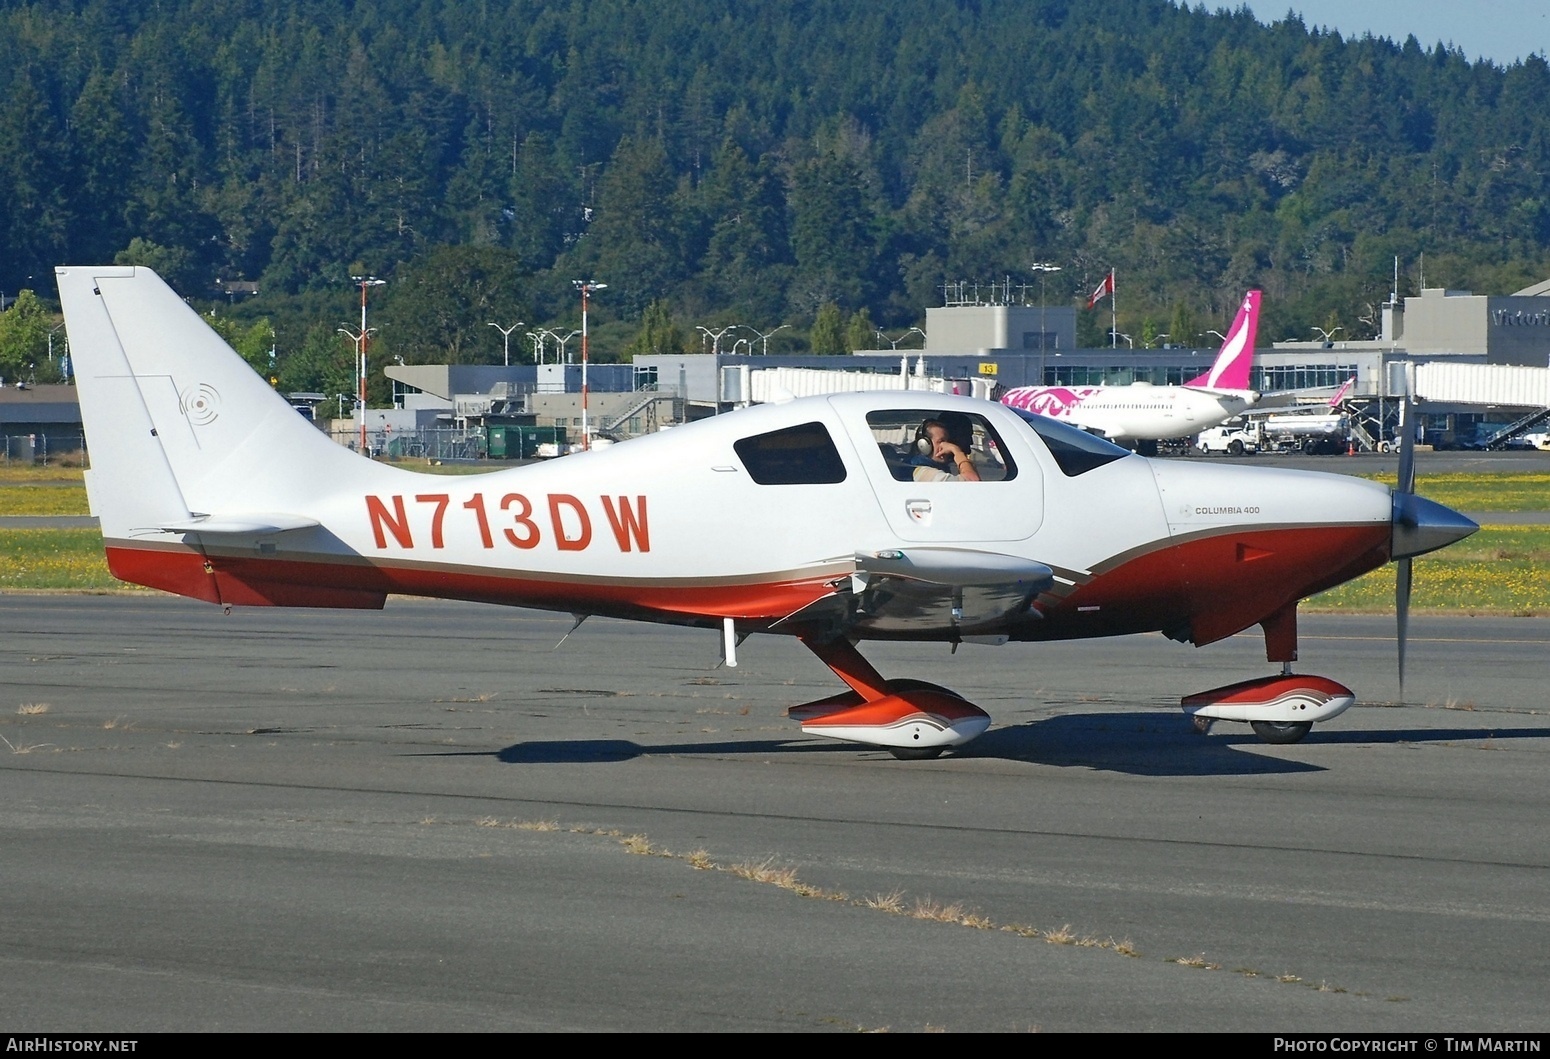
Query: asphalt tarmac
x,y
430,818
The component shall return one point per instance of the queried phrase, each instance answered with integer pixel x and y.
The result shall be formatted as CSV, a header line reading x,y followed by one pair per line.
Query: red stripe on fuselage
x,y
252,581
1207,586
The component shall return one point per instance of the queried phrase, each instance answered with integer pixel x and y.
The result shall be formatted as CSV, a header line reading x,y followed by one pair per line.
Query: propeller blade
x,y
1406,447
1402,617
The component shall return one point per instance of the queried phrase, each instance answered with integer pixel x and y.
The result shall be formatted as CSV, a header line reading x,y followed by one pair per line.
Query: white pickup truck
x,y
1233,439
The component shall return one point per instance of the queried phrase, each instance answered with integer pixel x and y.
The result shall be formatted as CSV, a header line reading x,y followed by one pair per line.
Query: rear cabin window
x,y
800,455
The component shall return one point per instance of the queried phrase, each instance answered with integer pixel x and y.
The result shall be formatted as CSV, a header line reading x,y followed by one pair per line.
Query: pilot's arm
x,y
965,464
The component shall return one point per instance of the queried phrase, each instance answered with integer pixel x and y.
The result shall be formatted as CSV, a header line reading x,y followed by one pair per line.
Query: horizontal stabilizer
x,y
239,525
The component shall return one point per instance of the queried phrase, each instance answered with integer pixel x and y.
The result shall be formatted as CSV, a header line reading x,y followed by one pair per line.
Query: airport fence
x,y
432,443
59,450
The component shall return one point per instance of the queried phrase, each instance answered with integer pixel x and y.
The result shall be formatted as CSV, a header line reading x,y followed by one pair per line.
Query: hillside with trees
x,y
757,163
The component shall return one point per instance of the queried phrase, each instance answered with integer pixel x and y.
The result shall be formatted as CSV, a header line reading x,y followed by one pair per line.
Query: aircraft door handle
x,y
919,511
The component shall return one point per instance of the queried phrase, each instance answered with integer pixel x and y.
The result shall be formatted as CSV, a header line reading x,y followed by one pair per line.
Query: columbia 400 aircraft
x,y
808,518
1146,413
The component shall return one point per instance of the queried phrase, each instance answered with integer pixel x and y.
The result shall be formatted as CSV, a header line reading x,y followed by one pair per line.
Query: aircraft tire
x,y
1281,733
916,753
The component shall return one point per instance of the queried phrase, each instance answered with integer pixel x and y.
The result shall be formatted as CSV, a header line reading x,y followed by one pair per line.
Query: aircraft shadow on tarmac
x,y
1142,744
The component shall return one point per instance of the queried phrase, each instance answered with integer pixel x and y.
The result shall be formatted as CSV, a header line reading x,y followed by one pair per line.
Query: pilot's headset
x,y
923,443
958,427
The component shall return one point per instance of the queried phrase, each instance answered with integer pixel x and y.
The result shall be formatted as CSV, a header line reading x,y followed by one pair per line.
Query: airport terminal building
x,y
1452,336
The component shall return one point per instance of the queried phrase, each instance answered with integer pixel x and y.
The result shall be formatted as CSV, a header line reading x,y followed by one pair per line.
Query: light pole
x,y
586,287
51,331
893,343
538,344
560,340
715,337
918,331
1329,336
763,338
362,340
506,337
1043,268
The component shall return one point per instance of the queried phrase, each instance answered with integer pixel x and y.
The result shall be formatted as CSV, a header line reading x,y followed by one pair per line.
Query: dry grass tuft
x,y
32,709
1197,961
890,902
537,825
766,872
23,748
1060,936
700,860
639,844
487,821
935,912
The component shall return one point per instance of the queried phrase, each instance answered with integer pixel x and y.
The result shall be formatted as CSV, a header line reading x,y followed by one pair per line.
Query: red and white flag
x,y
1104,290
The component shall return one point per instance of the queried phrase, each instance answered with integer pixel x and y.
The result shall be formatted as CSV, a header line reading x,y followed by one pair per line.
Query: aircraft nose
x,y
1422,525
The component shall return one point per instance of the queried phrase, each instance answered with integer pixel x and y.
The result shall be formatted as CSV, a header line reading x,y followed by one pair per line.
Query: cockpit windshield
x,y
1075,451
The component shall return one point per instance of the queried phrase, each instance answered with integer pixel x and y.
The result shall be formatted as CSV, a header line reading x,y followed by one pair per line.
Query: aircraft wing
x,y
944,591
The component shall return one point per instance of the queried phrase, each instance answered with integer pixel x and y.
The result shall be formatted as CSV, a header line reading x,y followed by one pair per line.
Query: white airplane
x,y
1142,412
810,518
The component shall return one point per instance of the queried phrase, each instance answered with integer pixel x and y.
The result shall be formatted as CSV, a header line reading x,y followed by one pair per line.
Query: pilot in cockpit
x,y
943,450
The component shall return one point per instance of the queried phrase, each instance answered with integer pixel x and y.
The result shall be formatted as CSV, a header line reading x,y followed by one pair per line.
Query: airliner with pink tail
x,y
1143,412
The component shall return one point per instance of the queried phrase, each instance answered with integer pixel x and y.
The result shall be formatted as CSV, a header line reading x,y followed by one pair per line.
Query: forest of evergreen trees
x,y
753,162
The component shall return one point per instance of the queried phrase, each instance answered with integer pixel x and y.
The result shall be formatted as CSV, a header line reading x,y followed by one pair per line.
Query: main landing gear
x,y
1281,709
912,719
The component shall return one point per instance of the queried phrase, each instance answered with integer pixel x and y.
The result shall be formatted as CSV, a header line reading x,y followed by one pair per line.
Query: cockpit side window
x,y
1075,451
799,455
898,432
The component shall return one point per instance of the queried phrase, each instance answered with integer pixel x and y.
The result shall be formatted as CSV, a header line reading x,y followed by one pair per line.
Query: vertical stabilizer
x,y
177,425
1231,369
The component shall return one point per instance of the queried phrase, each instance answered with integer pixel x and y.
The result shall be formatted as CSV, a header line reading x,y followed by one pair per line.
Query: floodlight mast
x,y
362,339
586,287
1043,268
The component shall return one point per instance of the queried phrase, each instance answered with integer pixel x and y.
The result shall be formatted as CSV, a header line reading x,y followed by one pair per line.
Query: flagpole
x,y
1114,309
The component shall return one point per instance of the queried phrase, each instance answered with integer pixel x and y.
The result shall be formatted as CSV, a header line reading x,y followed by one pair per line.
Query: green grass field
x,y
1483,492
39,559
1501,569
43,500
19,473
